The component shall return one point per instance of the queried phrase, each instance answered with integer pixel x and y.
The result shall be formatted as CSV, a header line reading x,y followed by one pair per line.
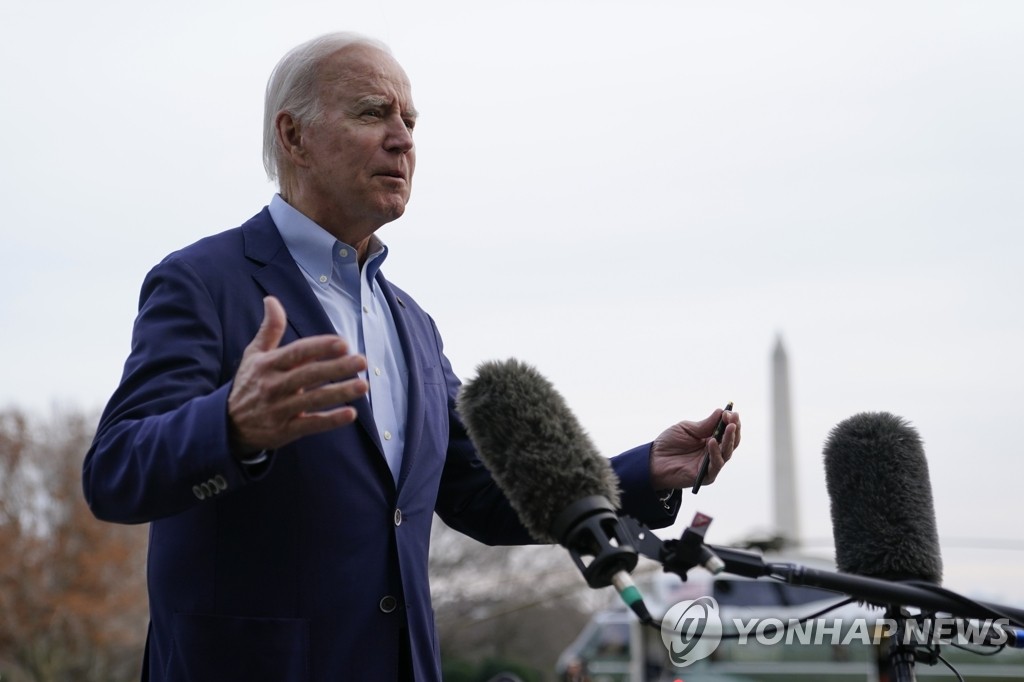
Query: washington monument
x,y
783,459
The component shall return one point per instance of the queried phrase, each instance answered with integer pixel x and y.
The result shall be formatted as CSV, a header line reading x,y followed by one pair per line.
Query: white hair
x,y
292,88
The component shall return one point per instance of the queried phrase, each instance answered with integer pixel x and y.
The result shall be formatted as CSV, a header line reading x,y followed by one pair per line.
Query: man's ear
x,y
289,138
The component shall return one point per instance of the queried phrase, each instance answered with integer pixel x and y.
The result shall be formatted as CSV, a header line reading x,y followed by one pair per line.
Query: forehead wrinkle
x,y
340,84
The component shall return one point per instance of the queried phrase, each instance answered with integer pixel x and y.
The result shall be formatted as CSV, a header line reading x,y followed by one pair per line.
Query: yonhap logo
x,y
691,630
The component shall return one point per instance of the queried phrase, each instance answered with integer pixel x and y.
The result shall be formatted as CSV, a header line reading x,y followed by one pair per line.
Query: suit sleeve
x,y
162,442
470,501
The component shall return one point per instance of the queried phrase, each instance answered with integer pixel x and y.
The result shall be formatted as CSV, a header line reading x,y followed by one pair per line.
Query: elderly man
x,y
286,417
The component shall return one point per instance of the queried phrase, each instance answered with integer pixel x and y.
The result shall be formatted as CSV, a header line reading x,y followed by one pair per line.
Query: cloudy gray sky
x,y
635,197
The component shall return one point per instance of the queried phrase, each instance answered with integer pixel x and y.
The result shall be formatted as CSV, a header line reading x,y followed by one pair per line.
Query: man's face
x,y
360,149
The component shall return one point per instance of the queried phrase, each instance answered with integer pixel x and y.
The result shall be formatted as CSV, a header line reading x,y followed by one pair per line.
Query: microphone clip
x,y
589,527
690,550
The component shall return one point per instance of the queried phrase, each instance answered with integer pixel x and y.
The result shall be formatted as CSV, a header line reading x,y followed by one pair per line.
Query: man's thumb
x,y
272,328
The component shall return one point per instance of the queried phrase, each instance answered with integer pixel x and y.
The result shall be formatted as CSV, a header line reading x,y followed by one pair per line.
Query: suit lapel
x,y
414,416
281,277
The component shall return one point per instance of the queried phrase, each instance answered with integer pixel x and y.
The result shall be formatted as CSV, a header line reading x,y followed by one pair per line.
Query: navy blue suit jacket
x,y
308,566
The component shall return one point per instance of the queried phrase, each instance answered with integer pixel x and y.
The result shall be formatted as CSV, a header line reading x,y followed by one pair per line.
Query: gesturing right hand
x,y
283,393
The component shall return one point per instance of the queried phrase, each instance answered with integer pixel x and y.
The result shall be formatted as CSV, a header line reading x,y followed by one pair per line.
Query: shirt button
x,y
376,371
323,279
365,309
387,435
343,253
388,604
398,517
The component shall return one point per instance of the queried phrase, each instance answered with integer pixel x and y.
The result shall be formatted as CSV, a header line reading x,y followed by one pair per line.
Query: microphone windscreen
x,y
883,518
535,449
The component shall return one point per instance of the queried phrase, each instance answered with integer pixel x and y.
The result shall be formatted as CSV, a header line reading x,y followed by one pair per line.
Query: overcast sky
x,y
635,197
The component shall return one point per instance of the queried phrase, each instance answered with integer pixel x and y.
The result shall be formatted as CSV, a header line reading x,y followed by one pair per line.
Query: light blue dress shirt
x,y
360,314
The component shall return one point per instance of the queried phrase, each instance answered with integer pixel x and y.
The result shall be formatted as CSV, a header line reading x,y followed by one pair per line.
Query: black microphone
x,y
883,517
552,475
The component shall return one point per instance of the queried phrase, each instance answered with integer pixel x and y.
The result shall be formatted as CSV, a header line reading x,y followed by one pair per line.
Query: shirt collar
x,y
313,247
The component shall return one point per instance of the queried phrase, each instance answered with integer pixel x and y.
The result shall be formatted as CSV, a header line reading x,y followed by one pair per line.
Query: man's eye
x,y
375,113
410,124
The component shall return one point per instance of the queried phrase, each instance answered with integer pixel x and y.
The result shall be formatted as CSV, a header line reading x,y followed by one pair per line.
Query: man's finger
x,y
736,436
318,422
324,398
729,442
318,373
271,330
309,349
706,427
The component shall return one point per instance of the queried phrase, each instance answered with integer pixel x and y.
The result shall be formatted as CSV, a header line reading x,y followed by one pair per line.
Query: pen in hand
x,y
717,435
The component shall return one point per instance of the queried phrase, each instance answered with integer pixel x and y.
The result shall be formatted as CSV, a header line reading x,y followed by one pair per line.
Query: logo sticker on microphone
x,y
691,630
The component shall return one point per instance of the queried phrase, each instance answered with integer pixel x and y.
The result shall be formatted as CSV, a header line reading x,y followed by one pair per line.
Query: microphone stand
x,y
901,654
690,551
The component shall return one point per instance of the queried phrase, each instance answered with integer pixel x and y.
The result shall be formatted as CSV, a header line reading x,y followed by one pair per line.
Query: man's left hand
x,y
677,453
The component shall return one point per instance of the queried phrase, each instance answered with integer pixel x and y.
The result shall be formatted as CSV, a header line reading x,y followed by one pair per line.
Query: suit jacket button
x,y
220,482
207,490
398,517
388,604
198,492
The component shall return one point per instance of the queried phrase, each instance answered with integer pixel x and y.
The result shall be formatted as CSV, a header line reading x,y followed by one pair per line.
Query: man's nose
x,y
399,137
